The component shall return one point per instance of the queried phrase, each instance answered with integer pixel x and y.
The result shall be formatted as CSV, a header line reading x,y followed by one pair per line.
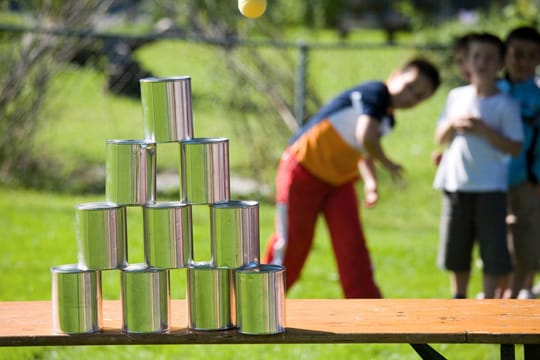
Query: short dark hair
x,y
426,68
488,38
460,42
527,33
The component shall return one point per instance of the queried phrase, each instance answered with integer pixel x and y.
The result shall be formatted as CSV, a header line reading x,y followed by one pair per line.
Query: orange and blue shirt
x,y
327,145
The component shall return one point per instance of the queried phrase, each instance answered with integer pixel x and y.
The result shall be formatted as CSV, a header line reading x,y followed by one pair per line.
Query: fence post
x,y
300,88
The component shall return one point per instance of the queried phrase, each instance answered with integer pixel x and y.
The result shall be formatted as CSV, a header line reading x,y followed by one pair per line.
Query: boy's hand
x,y
396,171
469,124
371,196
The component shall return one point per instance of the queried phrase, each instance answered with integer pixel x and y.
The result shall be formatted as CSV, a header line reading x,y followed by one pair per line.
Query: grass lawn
x,y
39,228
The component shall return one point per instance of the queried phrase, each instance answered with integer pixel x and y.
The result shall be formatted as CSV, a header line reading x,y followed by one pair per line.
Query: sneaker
x,y
480,295
526,294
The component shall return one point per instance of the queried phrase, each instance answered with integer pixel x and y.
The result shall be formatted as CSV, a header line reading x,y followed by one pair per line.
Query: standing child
x,y
458,56
319,168
522,57
481,127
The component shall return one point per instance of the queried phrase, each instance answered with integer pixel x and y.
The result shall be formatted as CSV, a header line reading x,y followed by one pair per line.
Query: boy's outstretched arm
x,y
368,135
366,167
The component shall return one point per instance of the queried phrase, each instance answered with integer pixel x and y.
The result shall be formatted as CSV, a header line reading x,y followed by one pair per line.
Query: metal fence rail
x,y
302,47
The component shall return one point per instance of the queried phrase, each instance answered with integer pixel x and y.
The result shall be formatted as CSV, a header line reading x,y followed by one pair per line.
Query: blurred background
x,y
69,81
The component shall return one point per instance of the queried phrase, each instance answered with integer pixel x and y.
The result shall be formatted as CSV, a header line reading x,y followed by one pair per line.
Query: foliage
x,y
28,62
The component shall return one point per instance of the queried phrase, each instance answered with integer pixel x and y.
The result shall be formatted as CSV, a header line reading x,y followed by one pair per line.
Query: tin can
x,y
101,235
204,170
130,172
168,239
209,295
260,299
145,299
234,234
76,300
167,109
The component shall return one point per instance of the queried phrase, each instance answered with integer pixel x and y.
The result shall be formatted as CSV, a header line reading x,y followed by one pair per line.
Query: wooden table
x,y
410,321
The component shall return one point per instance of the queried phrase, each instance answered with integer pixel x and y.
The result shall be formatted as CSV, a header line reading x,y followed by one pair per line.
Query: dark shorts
x,y
469,217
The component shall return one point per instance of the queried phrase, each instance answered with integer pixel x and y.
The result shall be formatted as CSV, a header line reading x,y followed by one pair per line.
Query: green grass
x,y
39,228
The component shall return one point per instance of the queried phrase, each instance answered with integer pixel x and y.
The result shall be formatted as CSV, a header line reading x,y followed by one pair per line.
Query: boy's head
x,y
522,53
415,82
459,51
484,57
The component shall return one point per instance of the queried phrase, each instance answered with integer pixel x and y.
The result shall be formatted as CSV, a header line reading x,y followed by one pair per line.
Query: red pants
x,y
300,198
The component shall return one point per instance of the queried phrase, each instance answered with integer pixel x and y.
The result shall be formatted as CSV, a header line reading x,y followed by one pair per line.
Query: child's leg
x,y
491,285
299,197
456,240
459,282
352,255
491,226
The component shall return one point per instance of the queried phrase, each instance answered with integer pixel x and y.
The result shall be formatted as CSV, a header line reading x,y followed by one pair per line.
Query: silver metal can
x,y
234,234
167,109
260,299
204,170
209,297
130,172
101,235
76,300
145,299
168,239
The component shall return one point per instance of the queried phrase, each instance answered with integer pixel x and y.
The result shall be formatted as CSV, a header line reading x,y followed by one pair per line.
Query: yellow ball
x,y
252,8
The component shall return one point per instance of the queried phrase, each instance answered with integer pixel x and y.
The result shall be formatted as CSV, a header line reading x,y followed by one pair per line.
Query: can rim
x,y
155,79
104,205
261,268
140,267
130,142
208,140
235,204
166,205
71,268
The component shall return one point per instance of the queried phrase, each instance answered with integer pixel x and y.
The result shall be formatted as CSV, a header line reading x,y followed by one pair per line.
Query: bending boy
x,y
319,168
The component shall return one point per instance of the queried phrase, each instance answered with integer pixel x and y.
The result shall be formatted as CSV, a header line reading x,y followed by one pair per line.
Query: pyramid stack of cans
x,y
231,290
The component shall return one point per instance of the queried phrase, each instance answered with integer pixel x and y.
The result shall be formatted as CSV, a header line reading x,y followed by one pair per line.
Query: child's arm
x,y
445,132
366,167
476,126
368,135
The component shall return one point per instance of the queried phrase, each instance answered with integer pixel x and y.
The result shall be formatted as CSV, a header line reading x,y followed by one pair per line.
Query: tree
x,y
28,61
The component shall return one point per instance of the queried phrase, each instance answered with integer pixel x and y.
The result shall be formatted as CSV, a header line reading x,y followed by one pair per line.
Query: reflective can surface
x,y
235,234
260,299
168,240
76,300
101,236
210,300
145,299
167,109
204,171
130,172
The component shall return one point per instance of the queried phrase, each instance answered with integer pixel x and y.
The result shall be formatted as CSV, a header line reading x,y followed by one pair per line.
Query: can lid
x,y
202,265
98,206
140,267
153,79
166,205
70,268
261,268
235,204
129,142
195,141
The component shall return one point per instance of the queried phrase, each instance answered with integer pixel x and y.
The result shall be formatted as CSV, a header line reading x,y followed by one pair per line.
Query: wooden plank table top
x,y
28,323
